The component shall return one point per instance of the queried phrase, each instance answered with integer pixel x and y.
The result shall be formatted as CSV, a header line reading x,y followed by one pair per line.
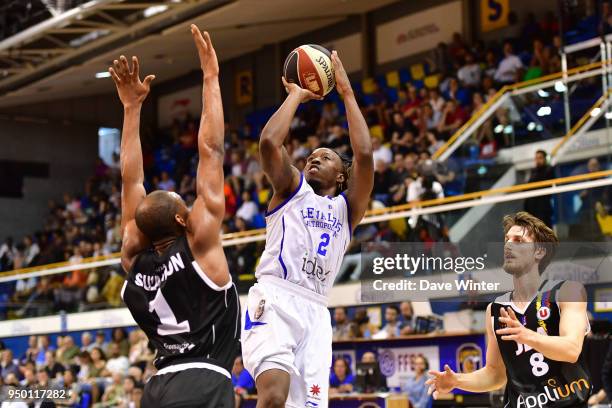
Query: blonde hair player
x,y
534,333
287,334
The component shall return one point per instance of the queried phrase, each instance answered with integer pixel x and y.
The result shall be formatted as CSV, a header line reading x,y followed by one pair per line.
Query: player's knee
x,y
273,398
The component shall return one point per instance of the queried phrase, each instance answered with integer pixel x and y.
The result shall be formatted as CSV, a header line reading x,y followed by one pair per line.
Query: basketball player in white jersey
x,y
287,334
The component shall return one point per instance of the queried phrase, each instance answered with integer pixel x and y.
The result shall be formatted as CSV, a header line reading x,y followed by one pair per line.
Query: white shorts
x,y
288,327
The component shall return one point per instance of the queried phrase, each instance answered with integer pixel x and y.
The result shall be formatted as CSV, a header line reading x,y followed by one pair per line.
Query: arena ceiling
x,y
59,57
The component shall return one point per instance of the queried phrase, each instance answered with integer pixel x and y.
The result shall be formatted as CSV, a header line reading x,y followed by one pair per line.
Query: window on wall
x,y
109,142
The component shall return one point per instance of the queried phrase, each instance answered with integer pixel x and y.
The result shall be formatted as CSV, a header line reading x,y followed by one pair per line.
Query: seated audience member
x,y
341,380
7,364
342,326
361,327
114,393
415,387
392,328
407,318
53,367
242,381
117,363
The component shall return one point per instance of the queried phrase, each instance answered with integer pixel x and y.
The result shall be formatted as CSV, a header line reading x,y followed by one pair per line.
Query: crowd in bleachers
x,y
96,373
410,112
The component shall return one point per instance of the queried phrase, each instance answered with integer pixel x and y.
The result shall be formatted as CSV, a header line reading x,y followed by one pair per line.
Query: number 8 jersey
x,y
535,381
306,237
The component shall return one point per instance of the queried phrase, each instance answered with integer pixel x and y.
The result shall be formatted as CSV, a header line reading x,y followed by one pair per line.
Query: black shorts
x,y
194,387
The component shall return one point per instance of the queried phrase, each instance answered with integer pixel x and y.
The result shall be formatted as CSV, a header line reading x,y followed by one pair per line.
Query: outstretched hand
x,y
305,95
441,382
131,90
343,85
206,52
514,329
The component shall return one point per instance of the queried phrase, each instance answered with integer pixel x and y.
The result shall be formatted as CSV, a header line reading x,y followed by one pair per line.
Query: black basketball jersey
x,y
534,381
186,316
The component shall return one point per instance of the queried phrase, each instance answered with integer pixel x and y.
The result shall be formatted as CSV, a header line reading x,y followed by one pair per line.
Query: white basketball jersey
x,y
306,237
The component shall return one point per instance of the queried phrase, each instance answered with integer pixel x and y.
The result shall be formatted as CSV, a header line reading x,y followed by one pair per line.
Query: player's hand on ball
x,y
343,85
441,382
206,52
132,91
304,94
514,329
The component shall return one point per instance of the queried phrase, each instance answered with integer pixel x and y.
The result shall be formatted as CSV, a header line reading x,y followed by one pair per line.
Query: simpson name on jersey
x,y
306,237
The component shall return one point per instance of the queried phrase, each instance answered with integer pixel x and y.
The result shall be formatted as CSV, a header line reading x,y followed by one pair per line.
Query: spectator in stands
x,y
138,346
415,387
166,183
68,351
342,327
117,363
114,394
604,220
7,365
31,352
44,345
72,387
361,327
407,318
510,67
29,379
452,118
98,363
605,25
31,251
43,382
53,367
100,341
341,380
248,209
384,180
457,93
242,381
87,343
120,338
381,151
7,253
470,73
392,327
540,207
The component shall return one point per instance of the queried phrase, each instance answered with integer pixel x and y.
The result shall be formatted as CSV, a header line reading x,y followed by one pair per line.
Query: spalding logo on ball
x,y
310,67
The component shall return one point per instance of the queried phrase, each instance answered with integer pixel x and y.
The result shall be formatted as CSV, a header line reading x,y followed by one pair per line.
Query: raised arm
x,y
275,160
204,222
132,93
361,178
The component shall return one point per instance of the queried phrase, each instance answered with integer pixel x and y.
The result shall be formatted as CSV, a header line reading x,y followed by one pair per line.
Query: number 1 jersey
x,y
185,315
306,237
532,379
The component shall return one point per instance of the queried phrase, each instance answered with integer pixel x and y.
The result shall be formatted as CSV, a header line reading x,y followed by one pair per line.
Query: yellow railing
x,y
509,88
579,123
370,213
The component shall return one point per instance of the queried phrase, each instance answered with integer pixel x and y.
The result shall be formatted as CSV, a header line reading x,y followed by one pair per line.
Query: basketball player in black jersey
x,y
534,333
178,287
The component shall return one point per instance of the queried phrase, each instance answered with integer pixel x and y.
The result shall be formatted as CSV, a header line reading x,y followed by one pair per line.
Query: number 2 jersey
x,y
185,315
535,381
306,237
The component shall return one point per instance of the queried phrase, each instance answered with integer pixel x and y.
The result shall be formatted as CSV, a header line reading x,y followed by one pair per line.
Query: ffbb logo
x,y
313,269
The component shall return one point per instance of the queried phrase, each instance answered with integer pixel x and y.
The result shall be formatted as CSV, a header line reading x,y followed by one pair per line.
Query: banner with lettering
x,y
418,32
